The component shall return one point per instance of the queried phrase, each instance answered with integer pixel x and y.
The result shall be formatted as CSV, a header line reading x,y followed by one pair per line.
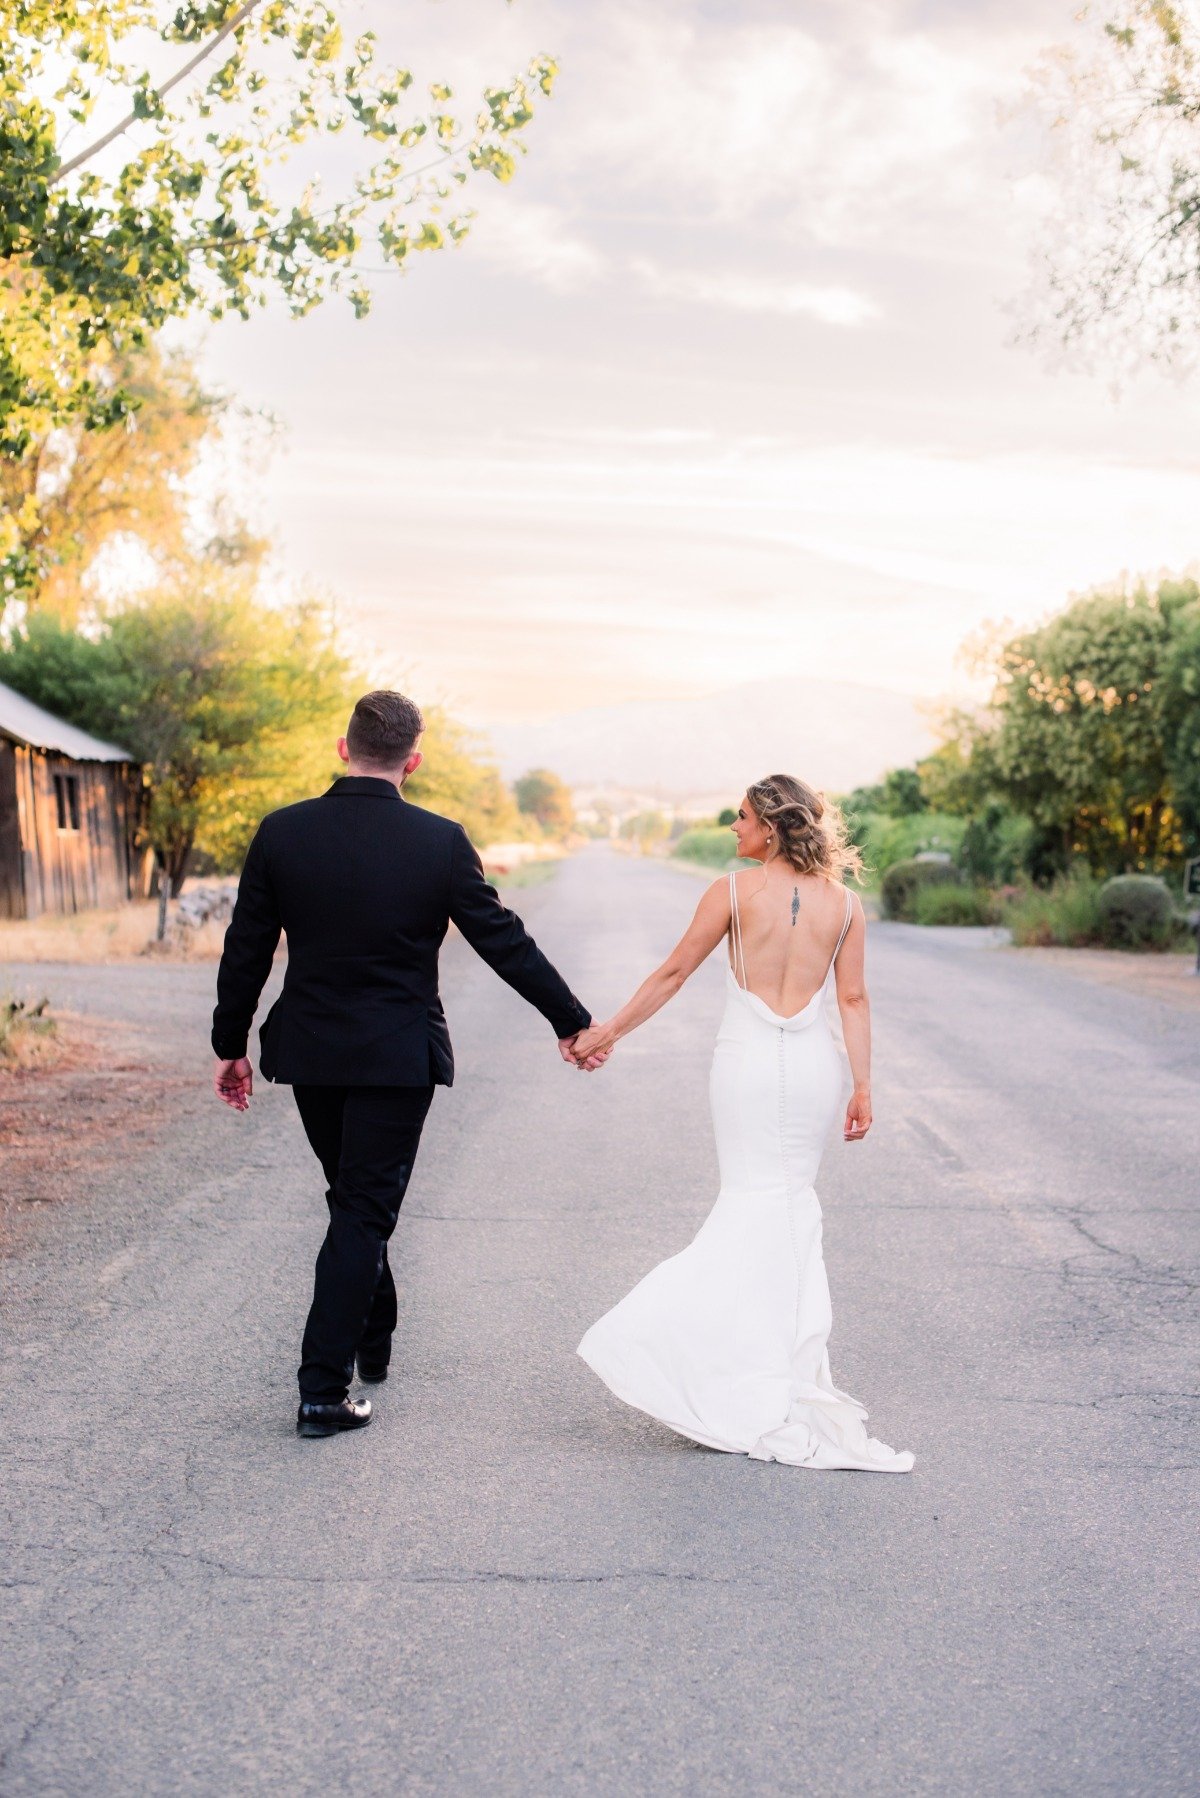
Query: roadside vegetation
x,y
28,1033
710,845
136,602
230,697
1068,806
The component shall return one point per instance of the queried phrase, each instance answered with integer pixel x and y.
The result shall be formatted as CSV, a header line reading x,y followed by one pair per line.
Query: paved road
x,y
512,1584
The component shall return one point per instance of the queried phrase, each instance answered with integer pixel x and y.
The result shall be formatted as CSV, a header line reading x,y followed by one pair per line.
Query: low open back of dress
x,y
738,955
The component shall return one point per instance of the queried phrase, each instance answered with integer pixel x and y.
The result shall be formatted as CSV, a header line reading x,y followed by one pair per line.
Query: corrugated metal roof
x,y
28,723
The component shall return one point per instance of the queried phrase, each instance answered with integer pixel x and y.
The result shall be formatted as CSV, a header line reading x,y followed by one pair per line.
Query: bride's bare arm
x,y
698,941
855,1009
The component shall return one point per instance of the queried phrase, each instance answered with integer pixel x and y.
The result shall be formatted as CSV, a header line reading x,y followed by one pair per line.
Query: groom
x,y
364,885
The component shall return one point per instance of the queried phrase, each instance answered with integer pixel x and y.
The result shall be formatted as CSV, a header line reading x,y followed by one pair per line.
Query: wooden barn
x,y
68,804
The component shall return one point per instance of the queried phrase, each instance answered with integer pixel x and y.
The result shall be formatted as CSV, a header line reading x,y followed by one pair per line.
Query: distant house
x,y
68,804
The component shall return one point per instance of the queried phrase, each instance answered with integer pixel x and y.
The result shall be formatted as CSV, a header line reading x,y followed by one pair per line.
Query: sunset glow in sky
x,y
720,387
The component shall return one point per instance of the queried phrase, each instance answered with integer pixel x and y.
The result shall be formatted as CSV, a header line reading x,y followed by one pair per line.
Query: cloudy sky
x,y
721,386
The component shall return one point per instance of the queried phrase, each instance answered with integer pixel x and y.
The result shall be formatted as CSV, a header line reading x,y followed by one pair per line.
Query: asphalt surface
x,y
511,1584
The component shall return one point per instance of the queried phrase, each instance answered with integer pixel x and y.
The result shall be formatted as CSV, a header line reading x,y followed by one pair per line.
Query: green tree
x,y
1181,714
902,793
75,492
996,844
648,828
231,706
142,160
956,776
727,816
1092,722
862,800
1119,270
458,780
542,795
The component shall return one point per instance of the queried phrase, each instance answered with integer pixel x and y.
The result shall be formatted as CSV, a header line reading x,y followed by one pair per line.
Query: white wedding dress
x,y
726,1341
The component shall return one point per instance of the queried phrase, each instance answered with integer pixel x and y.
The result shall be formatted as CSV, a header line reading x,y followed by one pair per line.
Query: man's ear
x,y
343,750
414,762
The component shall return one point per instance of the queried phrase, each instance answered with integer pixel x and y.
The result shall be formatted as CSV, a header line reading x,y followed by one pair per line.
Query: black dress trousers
x,y
366,1139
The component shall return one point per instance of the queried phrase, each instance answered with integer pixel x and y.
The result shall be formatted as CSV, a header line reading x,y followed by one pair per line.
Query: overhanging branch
x,y
231,24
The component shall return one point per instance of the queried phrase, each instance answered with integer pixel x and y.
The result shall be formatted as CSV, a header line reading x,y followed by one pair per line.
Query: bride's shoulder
x,y
715,899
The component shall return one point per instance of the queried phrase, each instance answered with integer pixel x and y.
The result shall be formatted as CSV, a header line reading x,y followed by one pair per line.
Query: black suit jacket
x,y
365,885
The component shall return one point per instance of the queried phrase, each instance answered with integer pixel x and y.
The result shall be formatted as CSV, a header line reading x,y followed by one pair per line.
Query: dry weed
x,y
121,934
28,1034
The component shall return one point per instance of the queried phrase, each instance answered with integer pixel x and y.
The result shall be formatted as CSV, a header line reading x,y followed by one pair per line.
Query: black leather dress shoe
x,y
327,1420
374,1373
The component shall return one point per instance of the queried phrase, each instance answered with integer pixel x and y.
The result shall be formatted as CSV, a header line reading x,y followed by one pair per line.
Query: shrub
x,y
903,880
884,840
715,848
953,905
646,829
1135,911
1065,913
25,1032
996,845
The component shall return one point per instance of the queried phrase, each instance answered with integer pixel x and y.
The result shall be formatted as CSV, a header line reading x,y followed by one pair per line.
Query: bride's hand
x,y
858,1117
592,1047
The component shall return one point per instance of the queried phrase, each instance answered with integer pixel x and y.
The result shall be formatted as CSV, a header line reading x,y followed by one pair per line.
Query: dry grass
x,y
127,932
28,1034
122,934
529,874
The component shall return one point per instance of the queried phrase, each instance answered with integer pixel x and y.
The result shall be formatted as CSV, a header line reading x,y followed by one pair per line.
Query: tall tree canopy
x,y
141,153
1119,274
458,780
542,795
1095,726
232,707
75,493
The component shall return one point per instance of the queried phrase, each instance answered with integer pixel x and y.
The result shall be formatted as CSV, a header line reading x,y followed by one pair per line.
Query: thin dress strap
x,y
845,928
735,929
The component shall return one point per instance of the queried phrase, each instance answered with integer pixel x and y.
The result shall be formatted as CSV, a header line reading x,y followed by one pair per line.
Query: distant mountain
x,y
834,734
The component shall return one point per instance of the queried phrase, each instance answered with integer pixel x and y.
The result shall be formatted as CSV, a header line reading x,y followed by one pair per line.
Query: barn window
x,y
66,800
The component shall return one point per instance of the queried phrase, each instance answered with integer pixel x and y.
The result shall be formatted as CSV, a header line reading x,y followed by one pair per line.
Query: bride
x,y
726,1341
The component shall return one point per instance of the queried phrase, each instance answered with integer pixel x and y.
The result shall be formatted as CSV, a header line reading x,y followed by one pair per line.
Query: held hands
x,y
589,1050
858,1117
233,1082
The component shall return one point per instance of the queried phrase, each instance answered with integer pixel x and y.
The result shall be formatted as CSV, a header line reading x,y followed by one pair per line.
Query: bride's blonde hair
x,y
809,829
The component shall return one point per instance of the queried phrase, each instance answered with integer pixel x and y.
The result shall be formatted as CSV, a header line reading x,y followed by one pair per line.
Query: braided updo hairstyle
x,y
810,832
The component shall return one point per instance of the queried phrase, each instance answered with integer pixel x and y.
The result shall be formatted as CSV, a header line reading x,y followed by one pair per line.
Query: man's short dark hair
x,y
383,729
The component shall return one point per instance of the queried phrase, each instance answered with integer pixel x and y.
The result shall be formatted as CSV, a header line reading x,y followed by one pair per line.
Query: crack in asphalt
x,y
479,1576
77,1641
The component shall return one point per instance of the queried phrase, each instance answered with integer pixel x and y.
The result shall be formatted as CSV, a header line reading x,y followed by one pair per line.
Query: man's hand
x,y
233,1082
566,1048
592,1047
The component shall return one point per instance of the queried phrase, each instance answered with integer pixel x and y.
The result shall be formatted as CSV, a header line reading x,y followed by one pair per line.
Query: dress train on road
x,y
726,1341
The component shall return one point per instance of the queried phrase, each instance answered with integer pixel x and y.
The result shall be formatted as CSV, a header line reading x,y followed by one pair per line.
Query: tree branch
x,y
231,24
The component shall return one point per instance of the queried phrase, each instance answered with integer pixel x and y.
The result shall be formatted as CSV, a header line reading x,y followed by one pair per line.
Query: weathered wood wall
x,y
12,887
45,868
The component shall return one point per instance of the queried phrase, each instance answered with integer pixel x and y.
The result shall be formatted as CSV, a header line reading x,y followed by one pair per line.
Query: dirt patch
x,y
1170,978
96,1098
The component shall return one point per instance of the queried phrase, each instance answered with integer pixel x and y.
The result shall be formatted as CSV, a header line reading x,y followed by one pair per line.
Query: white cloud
x,y
830,304
854,130
637,465
537,241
